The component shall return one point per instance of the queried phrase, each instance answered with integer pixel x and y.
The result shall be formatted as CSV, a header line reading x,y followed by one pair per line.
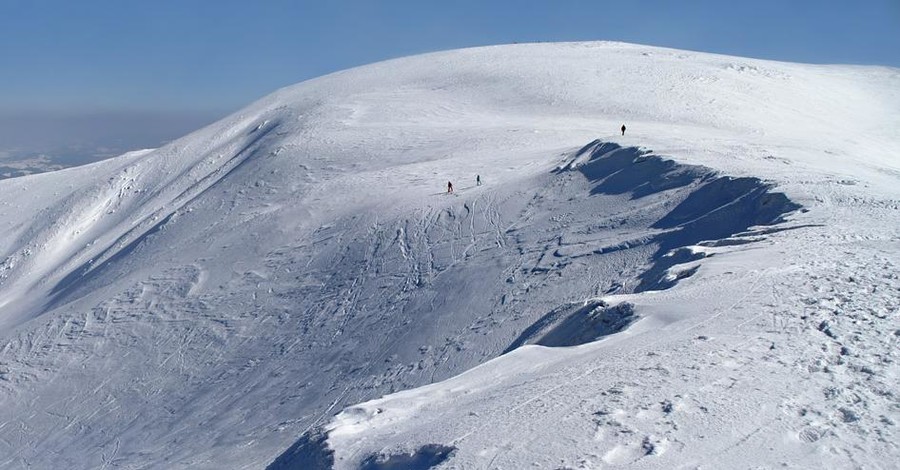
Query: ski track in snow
x,y
290,286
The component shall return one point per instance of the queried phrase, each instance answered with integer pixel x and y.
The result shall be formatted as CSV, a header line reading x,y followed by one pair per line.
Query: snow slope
x,y
215,302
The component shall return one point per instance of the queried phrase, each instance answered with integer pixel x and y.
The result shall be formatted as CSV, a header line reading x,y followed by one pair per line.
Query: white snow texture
x,y
293,287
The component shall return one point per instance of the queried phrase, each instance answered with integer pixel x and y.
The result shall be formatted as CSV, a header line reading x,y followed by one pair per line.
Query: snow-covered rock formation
x,y
292,287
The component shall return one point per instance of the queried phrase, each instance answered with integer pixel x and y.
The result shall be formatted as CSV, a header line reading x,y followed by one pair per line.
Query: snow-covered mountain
x,y
292,286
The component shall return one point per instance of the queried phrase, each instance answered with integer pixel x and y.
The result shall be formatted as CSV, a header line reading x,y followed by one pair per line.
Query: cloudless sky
x,y
190,56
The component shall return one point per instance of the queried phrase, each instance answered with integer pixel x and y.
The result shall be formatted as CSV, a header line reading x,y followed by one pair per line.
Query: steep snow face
x,y
207,303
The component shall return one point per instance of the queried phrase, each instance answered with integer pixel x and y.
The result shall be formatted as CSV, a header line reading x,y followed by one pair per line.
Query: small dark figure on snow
x,y
623,129
449,187
477,180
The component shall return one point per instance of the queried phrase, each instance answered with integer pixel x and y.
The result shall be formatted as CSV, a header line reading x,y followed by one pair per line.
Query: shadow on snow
x,y
716,210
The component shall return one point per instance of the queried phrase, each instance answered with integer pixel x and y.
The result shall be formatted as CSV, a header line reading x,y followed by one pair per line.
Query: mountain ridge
x,y
208,302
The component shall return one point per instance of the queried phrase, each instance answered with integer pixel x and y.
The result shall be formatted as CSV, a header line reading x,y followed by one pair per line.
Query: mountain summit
x,y
294,286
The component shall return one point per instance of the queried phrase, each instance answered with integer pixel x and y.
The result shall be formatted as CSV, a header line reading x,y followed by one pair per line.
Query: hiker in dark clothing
x,y
449,187
623,129
477,180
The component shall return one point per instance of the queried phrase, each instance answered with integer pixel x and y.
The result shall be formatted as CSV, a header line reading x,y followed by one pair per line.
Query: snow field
x,y
219,300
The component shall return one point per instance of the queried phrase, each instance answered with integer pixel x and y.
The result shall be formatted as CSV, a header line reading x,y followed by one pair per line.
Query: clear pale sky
x,y
68,57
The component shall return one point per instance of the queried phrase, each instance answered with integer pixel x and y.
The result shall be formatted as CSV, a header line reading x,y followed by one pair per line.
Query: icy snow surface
x,y
292,287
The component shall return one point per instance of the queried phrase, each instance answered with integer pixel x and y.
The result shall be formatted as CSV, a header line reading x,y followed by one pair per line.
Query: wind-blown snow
x,y
291,286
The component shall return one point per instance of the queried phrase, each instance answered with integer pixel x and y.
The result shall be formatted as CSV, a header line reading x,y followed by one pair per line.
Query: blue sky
x,y
66,57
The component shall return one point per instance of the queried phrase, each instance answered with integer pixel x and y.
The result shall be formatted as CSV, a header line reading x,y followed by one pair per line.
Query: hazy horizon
x,y
46,140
